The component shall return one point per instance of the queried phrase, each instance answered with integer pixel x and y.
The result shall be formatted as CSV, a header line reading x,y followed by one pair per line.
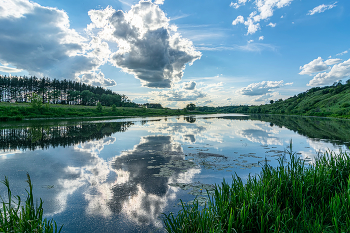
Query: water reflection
x,y
126,174
43,137
142,193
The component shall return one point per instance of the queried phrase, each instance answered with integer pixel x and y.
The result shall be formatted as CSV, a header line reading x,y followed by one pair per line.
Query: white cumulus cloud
x,y
159,2
190,85
265,10
261,88
321,8
239,19
148,47
39,40
338,72
178,95
333,61
239,3
317,65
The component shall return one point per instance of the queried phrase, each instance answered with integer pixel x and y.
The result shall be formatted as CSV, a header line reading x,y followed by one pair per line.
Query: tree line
x,y
21,89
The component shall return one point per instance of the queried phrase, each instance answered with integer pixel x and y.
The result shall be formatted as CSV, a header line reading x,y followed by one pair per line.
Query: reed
x,y
292,197
15,217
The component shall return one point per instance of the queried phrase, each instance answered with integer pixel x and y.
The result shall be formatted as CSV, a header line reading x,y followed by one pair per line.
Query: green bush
x,y
99,107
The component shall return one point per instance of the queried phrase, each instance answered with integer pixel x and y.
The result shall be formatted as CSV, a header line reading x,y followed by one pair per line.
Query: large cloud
x,y
149,48
338,72
265,9
39,40
261,88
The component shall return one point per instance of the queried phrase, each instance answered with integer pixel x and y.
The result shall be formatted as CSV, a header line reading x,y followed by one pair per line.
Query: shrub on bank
x,y
293,197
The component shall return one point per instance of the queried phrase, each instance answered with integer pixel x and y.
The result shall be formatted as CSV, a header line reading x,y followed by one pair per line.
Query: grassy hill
x,y
326,101
333,101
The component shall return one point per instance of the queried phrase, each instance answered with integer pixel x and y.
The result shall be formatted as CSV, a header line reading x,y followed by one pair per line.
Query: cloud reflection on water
x,y
143,196
128,174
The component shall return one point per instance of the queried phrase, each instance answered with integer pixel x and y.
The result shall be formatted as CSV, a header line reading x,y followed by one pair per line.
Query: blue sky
x,y
176,52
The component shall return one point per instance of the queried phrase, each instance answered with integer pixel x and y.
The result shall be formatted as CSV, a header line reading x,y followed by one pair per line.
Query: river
x,y
121,175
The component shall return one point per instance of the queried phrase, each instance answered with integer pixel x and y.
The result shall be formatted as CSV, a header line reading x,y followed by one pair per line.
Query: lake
x,y
121,175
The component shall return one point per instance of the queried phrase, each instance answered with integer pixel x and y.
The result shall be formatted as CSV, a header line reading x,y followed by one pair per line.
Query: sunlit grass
x,y
15,217
292,197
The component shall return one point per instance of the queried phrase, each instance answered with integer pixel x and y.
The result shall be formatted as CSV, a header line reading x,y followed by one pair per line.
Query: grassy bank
x,y
293,197
19,111
15,217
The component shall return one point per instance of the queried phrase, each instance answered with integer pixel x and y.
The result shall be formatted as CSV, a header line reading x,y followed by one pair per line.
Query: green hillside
x,y
333,101
326,101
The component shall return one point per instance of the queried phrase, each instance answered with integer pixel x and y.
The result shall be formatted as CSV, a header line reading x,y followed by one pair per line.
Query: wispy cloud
x,y
342,53
249,47
179,17
9,69
321,8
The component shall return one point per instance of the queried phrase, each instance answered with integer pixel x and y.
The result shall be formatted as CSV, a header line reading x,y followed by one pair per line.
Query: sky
x,y
176,52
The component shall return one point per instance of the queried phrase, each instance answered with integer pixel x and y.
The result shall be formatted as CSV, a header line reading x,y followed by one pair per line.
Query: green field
x,y
19,111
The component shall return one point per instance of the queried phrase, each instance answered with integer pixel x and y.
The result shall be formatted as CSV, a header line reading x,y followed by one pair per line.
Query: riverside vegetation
x,y
15,217
73,99
293,197
19,111
328,101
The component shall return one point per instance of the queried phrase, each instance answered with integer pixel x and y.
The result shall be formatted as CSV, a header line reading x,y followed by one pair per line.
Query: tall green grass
x,y
292,197
15,217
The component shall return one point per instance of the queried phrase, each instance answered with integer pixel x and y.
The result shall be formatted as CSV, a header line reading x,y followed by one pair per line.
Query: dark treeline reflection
x,y
312,127
65,135
335,130
190,119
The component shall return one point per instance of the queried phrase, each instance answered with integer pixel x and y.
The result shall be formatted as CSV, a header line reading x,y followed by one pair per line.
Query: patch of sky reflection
x,y
125,180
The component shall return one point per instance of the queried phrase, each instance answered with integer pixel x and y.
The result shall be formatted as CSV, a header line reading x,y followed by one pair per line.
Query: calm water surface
x,y
121,175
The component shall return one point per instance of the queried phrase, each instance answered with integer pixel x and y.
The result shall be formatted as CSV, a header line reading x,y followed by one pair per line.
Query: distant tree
x,y
99,107
36,101
271,101
190,107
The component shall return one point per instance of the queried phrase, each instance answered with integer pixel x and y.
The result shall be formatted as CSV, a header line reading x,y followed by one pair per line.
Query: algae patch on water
x,y
201,191
169,169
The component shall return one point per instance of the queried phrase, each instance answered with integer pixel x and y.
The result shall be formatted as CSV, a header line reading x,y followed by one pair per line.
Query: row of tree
x,y
21,89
